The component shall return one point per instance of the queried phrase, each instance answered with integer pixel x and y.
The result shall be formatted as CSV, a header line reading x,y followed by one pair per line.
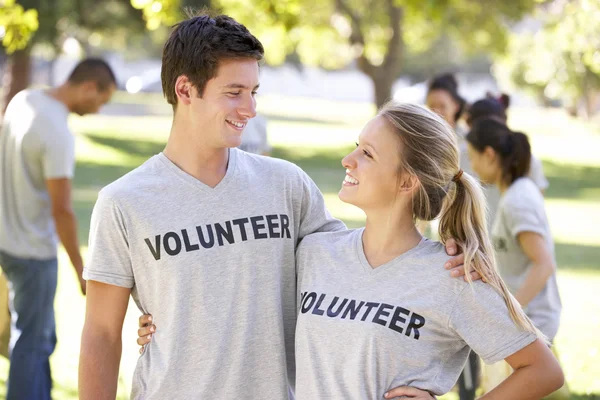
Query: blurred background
x,y
329,65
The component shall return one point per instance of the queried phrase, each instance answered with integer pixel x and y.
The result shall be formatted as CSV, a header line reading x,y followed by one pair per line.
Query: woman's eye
x,y
366,153
233,93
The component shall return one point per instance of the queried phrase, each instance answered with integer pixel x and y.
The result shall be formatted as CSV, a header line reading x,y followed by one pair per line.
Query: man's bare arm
x,y
100,355
59,191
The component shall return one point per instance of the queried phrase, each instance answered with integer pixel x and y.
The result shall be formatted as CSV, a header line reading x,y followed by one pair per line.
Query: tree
x,y
559,57
372,34
16,25
55,20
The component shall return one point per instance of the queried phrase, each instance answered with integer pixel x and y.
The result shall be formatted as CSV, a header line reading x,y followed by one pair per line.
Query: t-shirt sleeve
x,y
481,318
58,152
523,217
108,259
314,216
536,174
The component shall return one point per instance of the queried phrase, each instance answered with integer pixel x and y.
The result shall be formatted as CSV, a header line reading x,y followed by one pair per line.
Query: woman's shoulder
x,y
327,239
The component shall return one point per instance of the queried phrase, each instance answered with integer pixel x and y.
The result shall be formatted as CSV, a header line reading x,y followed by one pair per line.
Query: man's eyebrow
x,y
240,86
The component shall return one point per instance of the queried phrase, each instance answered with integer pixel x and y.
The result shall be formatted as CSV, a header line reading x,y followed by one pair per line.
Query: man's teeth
x,y
349,179
238,124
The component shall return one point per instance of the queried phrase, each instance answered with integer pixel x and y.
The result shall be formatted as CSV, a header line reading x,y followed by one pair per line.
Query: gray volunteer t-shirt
x,y
216,269
362,331
35,145
521,209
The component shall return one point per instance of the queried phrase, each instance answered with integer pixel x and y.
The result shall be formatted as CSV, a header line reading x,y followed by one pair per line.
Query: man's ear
x,y
183,90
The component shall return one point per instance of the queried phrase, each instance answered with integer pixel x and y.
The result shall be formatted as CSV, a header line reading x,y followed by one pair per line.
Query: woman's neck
x,y
387,236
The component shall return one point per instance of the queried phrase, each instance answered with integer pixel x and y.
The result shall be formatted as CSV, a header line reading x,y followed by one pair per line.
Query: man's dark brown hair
x,y
93,69
196,46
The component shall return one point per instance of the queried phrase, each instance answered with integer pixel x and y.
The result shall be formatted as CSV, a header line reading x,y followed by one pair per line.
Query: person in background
x,y
255,139
37,162
524,247
444,99
496,107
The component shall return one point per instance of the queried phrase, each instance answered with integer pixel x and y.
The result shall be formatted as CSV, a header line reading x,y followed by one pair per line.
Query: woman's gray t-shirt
x,y
521,209
362,331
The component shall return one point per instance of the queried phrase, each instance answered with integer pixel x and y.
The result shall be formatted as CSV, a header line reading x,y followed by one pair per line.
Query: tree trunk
x,y
17,76
382,86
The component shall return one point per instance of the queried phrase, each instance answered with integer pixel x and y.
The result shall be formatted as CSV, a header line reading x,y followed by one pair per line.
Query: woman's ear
x,y
408,183
489,153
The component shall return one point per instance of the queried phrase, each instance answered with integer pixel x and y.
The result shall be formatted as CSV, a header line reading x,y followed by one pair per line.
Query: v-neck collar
x,y
196,183
367,268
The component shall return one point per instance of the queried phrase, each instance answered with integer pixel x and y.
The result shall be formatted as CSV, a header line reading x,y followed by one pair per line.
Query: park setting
x,y
329,65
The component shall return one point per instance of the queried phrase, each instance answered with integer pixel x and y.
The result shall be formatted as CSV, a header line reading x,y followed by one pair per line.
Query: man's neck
x,y
62,94
207,164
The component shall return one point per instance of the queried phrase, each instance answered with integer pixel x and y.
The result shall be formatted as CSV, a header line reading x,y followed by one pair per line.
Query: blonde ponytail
x,y
463,217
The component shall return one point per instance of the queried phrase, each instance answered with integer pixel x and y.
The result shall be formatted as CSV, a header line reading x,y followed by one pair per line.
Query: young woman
x,y
374,312
496,107
521,233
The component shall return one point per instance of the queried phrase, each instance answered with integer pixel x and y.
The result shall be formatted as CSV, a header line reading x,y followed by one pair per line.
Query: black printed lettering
x,y
186,242
369,306
318,303
330,312
156,249
352,310
397,317
222,233
382,312
285,226
256,226
241,222
172,251
211,239
416,322
317,310
312,296
272,223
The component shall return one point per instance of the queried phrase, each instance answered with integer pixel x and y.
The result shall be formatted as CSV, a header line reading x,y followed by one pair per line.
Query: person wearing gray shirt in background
x,y
524,246
491,107
255,139
37,161
203,236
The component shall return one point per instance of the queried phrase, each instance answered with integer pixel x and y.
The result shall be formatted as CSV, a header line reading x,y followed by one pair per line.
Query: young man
x,y
37,160
203,236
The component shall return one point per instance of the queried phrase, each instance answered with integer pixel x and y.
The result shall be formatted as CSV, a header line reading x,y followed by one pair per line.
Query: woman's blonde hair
x,y
430,152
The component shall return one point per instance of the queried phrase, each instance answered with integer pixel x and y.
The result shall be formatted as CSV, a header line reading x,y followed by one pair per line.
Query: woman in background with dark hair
x,y
444,99
524,247
495,108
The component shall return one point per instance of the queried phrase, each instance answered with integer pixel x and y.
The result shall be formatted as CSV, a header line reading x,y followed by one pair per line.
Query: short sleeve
x,y
109,259
59,153
536,174
314,216
523,218
481,318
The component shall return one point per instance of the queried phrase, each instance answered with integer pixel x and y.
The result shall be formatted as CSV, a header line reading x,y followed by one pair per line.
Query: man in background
x,y
37,162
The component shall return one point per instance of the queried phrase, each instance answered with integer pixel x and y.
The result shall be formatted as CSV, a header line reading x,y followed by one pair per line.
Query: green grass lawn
x,y
316,134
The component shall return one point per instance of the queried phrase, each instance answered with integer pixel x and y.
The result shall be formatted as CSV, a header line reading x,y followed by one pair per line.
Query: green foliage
x,y
561,59
17,25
